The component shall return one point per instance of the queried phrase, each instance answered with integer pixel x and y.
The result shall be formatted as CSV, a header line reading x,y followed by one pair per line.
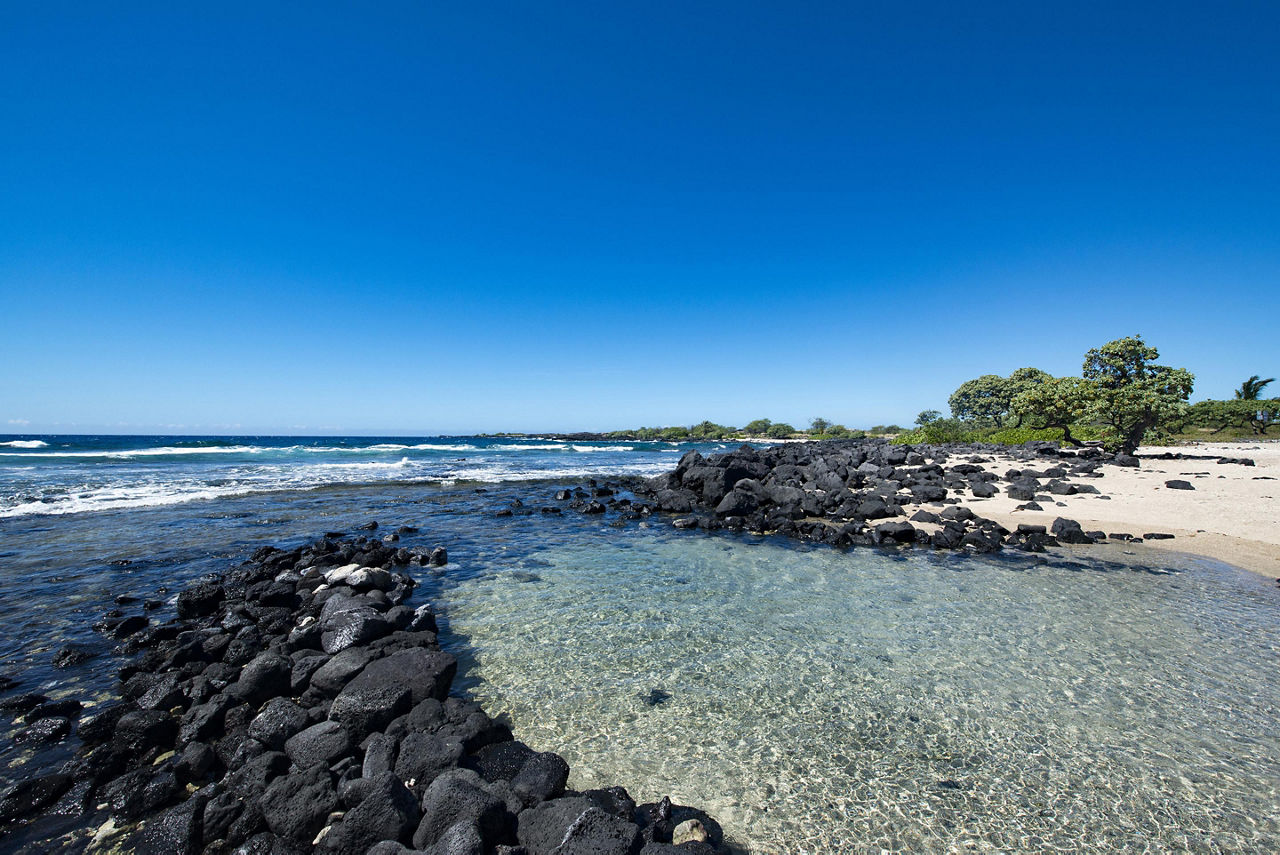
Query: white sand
x,y
1233,514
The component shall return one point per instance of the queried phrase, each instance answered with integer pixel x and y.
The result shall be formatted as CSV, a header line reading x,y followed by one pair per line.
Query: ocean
x,y
1107,698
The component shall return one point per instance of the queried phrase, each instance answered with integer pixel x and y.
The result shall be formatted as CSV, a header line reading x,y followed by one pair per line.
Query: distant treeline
x,y
759,429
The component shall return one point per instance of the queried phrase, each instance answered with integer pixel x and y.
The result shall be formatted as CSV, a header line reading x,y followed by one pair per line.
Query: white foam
x,y
374,464
143,452
555,446
603,447
25,443
115,498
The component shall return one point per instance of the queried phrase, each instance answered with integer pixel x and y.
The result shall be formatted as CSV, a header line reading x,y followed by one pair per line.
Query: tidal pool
x,y
827,702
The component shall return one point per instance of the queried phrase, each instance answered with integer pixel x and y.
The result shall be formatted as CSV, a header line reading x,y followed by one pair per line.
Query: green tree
x,y
759,427
819,426
708,430
1058,402
1251,388
989,398
1022,380
1131,394
781,430
927,416
984,398
1220,415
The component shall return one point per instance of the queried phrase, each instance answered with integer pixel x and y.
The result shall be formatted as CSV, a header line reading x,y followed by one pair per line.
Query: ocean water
x,y
814,700
74,474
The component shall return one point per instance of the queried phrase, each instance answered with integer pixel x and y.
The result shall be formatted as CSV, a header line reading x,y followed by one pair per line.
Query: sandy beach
x,y
1232,514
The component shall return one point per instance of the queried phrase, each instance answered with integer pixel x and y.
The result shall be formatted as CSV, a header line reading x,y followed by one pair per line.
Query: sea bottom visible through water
x,y
812,700
817,701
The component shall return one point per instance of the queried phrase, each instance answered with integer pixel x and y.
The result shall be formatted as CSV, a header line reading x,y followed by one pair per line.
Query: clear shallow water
x,y
821,701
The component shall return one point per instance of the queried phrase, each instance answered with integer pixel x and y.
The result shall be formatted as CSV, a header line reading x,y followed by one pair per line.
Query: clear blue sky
x,y
424,217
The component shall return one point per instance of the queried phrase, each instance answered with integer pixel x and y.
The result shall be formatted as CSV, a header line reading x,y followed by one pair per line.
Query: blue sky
x,y
423,218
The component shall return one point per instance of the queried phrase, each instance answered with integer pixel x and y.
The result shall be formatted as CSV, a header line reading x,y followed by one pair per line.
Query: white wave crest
x,y
554,446
374,464
117,498
25,443
603,447
144,452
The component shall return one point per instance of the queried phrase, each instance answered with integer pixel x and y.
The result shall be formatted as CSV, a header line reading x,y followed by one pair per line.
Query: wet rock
x,y
176,831
49,729
23,703
140,730
71,654
200,600
66,707
31,795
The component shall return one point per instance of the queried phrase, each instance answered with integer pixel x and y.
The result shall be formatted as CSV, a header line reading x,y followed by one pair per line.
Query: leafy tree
x,y
819,426
675,434
1251,388
928,416
1131,394
1058,402
989,398
759,427
1220,415
985,398
781,430
1022,380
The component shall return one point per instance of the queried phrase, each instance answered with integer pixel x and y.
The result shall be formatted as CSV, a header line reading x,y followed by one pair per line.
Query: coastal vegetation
x,y
1122,398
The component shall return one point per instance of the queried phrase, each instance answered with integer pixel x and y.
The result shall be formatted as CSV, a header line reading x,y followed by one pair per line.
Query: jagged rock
x,y
30,795
321,743
388,811
295,806
456,796
279,719
542,777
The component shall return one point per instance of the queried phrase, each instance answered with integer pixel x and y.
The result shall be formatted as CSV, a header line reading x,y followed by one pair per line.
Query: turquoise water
x,y
819,701
825,702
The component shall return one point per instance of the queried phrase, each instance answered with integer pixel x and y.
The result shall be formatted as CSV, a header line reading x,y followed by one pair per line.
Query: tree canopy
x,y
989,398
1131,394
1058,402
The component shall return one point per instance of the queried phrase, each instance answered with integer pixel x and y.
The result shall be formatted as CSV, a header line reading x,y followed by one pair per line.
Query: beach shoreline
x,y
1231,515
1216,500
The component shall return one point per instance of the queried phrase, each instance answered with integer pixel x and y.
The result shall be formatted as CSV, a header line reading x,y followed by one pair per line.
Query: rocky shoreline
x,y
297,704
872,493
